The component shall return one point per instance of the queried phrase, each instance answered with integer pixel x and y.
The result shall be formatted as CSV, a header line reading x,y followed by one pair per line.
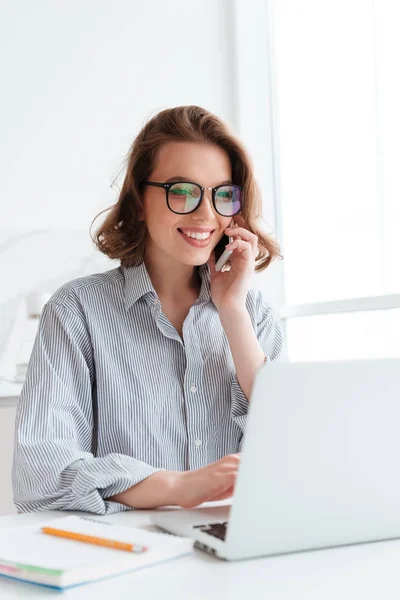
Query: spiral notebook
x,y
28,554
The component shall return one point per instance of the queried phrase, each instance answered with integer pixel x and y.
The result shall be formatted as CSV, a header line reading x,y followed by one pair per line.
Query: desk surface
x,y
365,571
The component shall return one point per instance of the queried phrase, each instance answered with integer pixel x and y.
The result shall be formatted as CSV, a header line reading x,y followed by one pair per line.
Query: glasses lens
x,y
228,200
183,197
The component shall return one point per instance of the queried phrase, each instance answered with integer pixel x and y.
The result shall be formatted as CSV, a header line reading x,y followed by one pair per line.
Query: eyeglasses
x,y
184,197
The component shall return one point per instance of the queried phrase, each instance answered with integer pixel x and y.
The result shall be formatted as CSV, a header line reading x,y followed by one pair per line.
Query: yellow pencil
x,y
91,539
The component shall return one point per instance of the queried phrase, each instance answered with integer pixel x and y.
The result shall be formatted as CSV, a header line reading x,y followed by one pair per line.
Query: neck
x,y
171,280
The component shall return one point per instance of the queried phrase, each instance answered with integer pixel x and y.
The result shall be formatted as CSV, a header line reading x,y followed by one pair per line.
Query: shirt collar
x,y
138,283
205,289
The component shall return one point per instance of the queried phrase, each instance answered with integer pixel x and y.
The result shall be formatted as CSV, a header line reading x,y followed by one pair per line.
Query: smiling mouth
x,y
197,235
198,240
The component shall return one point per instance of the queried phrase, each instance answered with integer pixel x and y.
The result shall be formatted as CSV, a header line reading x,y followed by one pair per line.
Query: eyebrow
x,y
182,178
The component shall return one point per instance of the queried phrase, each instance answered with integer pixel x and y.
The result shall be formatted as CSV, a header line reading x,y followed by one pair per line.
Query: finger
x,y
243,234
228,459
244,248
223,495
225,467
231,458
221,482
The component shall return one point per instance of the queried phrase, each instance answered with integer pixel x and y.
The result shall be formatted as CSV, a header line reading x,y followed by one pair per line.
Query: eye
x,y
179,191
185,189
225,195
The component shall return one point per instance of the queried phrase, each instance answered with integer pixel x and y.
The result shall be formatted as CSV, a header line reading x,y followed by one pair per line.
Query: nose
x,y
205,211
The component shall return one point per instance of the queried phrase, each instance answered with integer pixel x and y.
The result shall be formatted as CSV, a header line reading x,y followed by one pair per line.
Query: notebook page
x,y
105,529
29,546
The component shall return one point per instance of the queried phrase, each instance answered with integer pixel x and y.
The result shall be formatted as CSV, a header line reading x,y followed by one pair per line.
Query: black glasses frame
x,y
167,187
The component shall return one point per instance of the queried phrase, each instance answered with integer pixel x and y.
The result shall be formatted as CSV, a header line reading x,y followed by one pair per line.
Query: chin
x,y
195,261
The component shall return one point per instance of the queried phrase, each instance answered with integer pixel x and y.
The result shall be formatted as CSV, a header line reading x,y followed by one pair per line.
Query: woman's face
x,y
205,164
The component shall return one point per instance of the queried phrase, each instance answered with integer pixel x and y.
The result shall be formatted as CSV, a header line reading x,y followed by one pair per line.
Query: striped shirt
x,y
114,394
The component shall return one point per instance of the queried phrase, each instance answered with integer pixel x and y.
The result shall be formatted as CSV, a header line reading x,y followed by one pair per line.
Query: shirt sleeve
x,y
53,465
270,335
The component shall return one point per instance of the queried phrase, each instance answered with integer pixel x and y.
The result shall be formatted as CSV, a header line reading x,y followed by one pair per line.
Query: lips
x,y
203,233
195,242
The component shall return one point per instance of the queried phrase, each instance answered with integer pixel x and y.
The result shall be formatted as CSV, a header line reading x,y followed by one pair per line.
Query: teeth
x,y
197,236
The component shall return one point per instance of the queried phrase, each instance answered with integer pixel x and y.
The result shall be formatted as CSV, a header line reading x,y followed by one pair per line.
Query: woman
x,y
139,381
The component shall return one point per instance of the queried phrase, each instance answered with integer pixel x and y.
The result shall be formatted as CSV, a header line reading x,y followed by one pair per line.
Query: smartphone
x,y
222,255
219,251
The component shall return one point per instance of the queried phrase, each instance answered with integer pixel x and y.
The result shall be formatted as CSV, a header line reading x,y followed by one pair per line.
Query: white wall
x,y
78,80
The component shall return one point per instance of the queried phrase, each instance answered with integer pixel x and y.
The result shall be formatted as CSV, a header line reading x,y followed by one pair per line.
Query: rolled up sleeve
x,y
270,335
53,464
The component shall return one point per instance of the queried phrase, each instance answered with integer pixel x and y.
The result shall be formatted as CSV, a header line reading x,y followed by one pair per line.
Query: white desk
x,y
366,571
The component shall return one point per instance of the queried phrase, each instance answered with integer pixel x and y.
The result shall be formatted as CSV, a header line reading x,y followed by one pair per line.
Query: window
x,y
337,125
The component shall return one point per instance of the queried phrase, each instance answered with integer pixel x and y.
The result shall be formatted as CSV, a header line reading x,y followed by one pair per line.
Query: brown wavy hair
x,y
122,235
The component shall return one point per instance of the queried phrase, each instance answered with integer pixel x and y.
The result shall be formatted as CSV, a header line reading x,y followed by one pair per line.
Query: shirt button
x,y
193,389
198,443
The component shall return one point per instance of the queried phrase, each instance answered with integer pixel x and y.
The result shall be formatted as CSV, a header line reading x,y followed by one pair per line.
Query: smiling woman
x,y
175,209
158,150
138,387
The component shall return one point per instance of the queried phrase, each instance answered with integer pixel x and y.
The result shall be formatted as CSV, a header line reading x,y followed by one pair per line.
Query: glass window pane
x,y
338,131
344,336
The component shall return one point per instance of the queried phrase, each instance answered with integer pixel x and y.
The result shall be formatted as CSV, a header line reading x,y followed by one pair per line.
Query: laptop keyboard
x,y
218,530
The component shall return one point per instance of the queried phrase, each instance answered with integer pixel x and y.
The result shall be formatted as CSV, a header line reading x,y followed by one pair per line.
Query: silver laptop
x,y
319,464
